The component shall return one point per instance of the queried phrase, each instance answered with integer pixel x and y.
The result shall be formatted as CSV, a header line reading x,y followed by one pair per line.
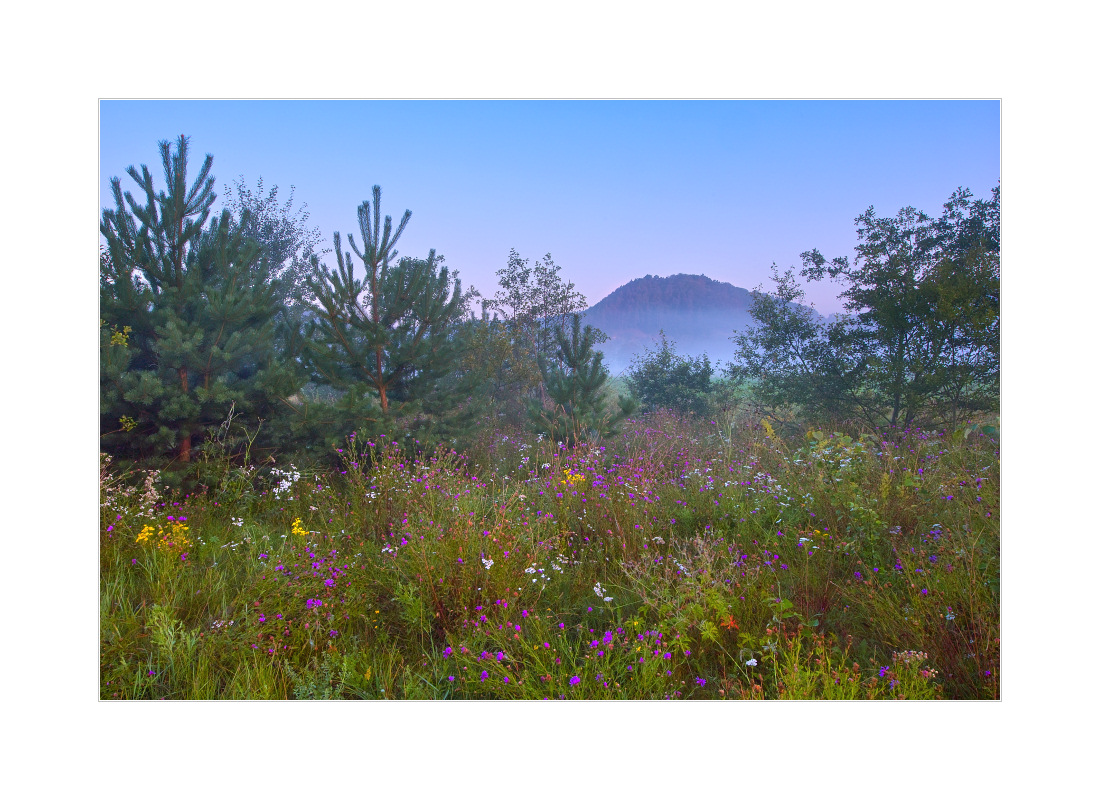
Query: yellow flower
x,y
121,338
572,478
297,528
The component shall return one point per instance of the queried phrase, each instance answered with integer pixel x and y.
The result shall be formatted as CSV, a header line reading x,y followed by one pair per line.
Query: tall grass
x,y
684,559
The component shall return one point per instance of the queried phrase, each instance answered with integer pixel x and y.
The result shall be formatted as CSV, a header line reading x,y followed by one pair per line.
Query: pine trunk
x,y
381,385
185,441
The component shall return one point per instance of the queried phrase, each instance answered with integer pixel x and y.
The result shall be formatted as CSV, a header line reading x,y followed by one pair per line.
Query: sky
x,y
613,190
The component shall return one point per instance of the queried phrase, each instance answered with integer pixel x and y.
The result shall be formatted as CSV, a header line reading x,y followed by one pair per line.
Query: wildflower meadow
x,y
687,558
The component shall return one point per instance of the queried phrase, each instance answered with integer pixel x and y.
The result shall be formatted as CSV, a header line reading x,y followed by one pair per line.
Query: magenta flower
x,y
574,680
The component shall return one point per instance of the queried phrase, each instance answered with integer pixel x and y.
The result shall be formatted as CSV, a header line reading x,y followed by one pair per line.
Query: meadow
x,y
684,559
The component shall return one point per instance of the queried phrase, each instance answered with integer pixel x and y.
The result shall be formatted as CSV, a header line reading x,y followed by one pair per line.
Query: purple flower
x,y
332,634
574,681
447,652
484,675
451,678
330,582
701,681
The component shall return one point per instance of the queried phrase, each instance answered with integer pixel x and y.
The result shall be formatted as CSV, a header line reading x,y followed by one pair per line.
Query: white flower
x,y
608,599
488,562
751,662
598,589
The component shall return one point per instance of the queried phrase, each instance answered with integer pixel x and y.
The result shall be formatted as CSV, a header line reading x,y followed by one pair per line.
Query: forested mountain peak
x,y
679,292
697,312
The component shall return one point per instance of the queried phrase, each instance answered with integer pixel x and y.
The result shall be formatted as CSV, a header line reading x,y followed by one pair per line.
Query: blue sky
x,y
612,189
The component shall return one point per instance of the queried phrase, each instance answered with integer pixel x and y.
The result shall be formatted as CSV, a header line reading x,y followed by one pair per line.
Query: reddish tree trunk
x,y
185,442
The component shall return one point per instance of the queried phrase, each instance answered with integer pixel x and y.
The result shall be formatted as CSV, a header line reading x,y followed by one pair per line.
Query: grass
x,y
684,559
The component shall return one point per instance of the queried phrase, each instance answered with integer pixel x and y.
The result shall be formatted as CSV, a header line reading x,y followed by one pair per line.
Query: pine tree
x,y
387,341
575,382
187,310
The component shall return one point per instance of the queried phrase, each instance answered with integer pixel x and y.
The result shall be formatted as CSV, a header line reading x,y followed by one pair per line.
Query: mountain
x,y
697,313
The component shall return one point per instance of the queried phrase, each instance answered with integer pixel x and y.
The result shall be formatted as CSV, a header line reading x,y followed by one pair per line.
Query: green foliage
x,y
575,381
386,341
281,232
291,248
789,357
532,306
188,314
662,378
536,303
921,336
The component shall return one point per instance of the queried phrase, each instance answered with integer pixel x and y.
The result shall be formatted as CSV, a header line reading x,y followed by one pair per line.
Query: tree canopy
x,y
187,311
921,332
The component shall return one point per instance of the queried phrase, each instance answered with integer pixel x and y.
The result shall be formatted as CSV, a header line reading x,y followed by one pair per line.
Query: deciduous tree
x,y
921,330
